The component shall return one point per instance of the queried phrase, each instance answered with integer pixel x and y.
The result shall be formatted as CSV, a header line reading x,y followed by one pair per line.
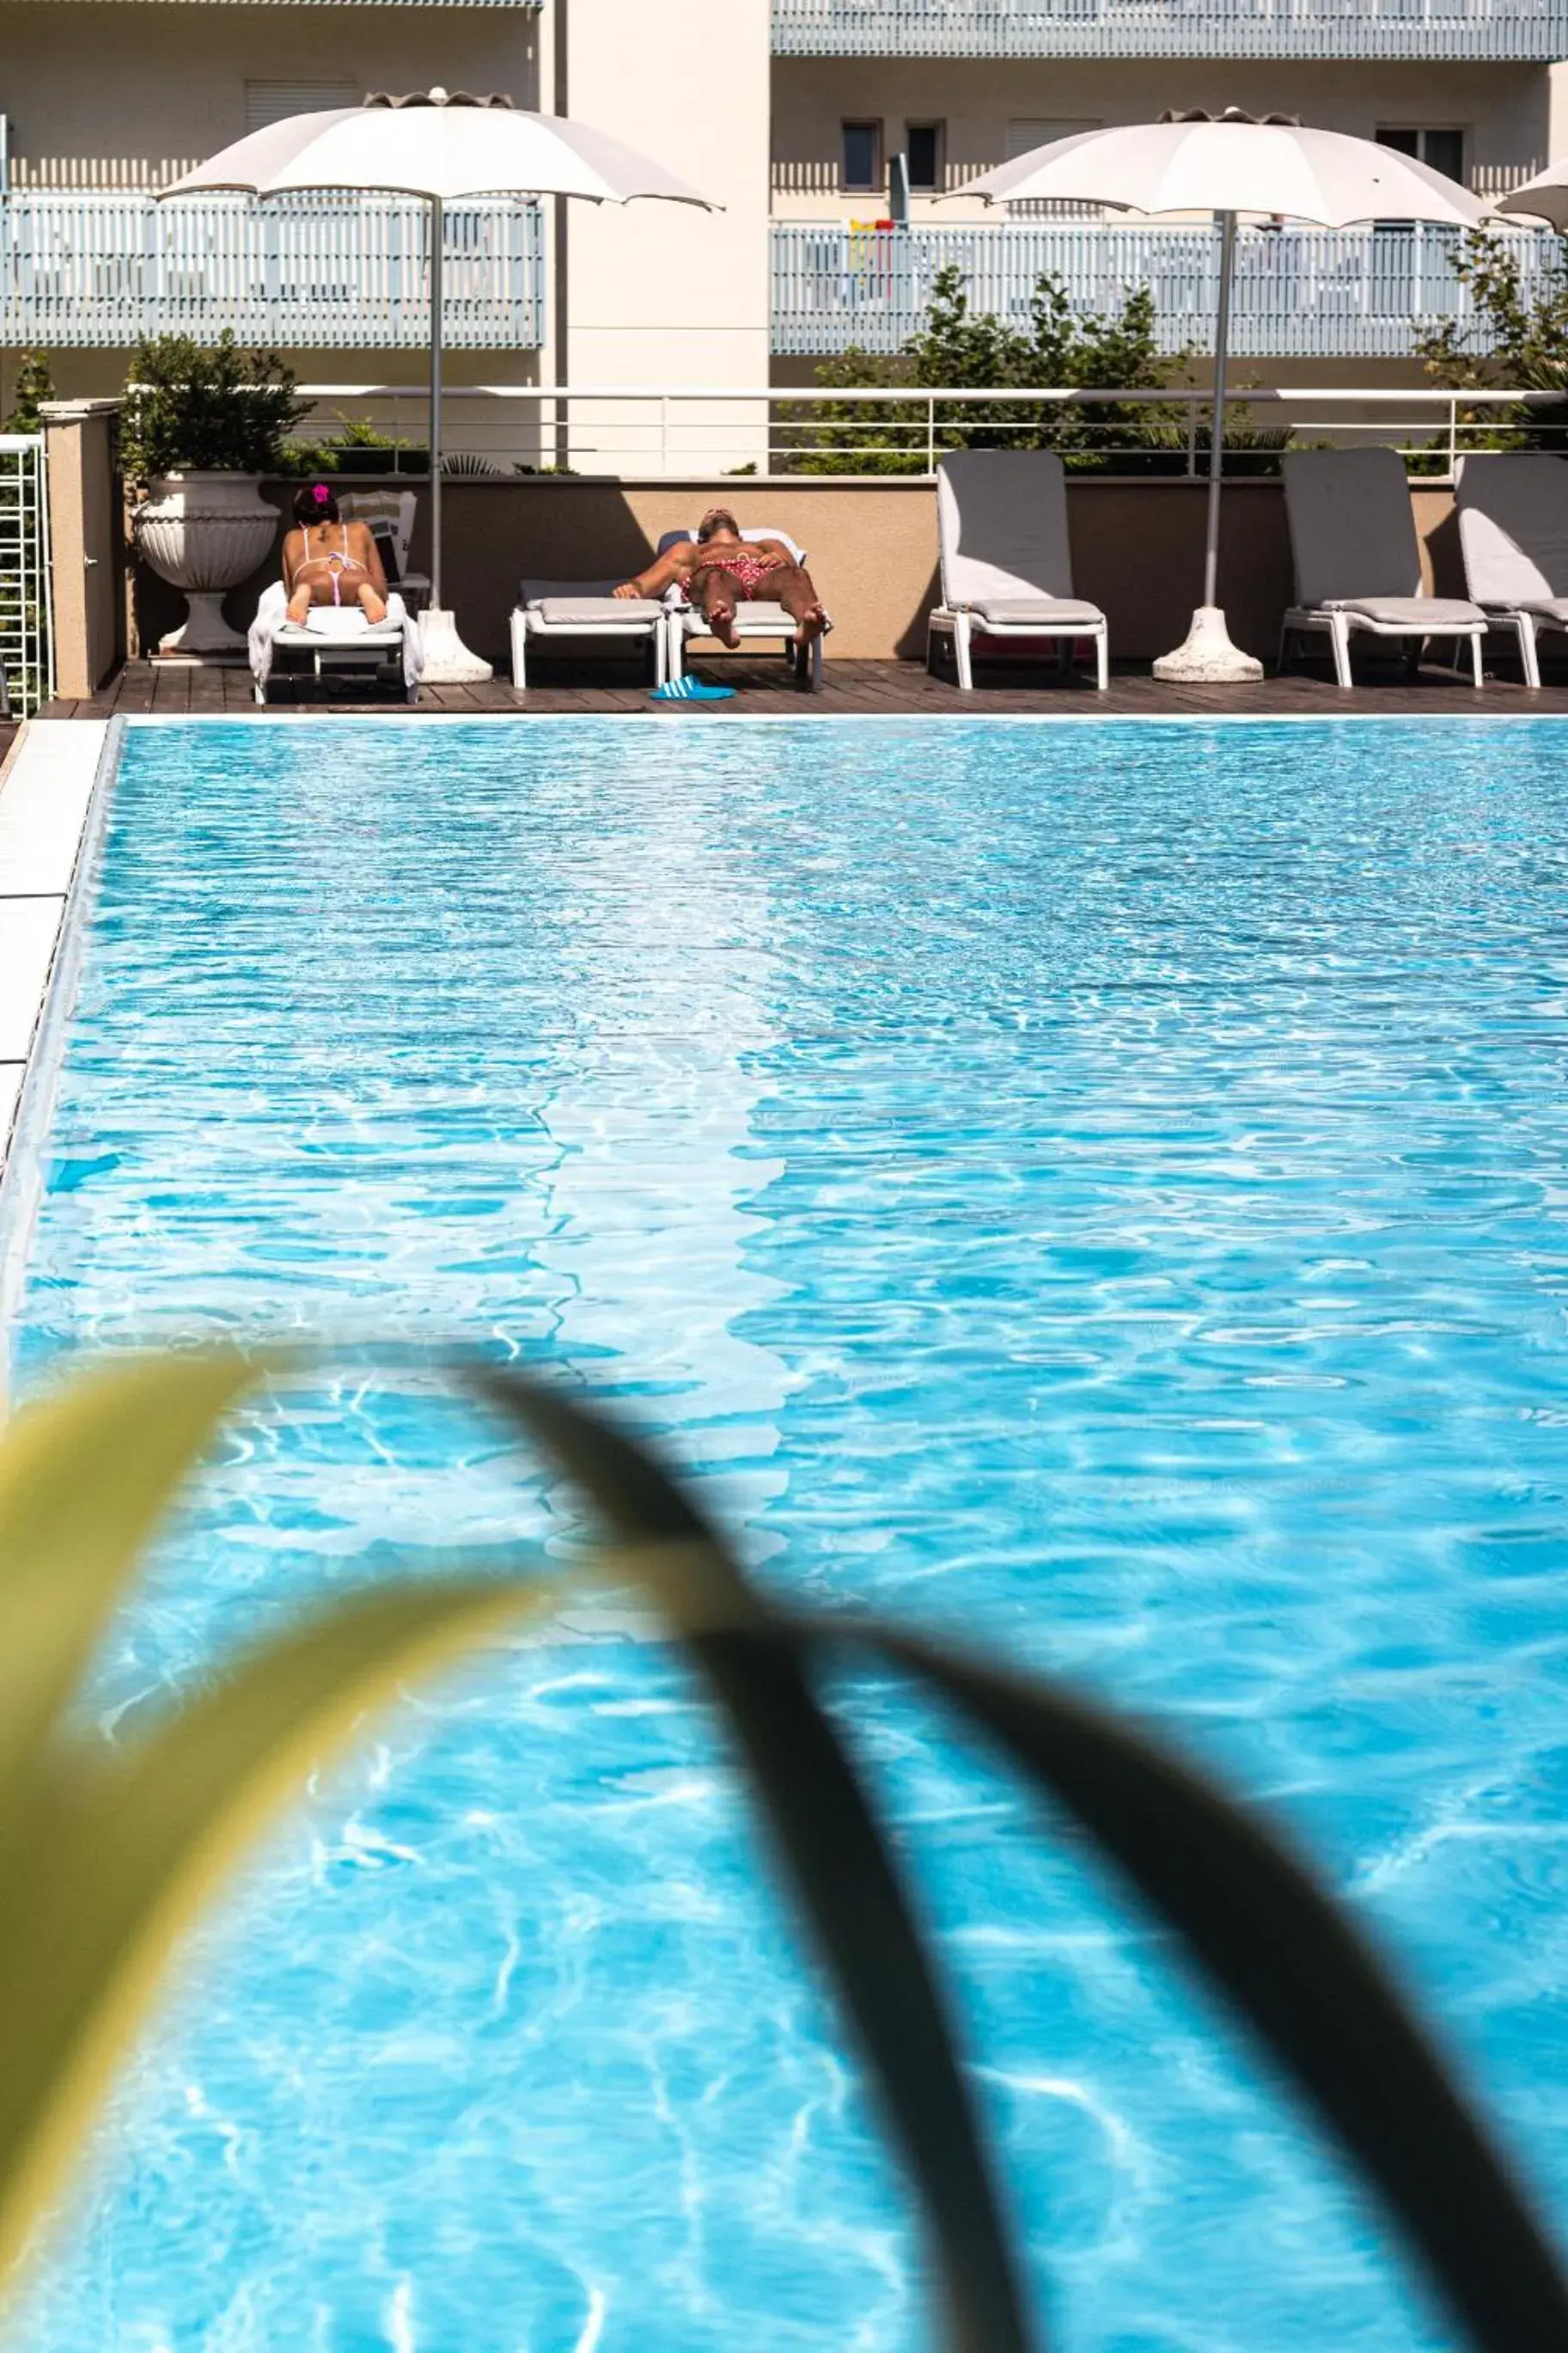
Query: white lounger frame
x,y
1513,537
965,627
1338,626
529,623
371,653
1352,538
1002,530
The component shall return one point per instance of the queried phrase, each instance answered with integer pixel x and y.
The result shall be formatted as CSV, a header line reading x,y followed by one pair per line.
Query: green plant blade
x,y
835,1859
128,1849
1298,1970
85,1478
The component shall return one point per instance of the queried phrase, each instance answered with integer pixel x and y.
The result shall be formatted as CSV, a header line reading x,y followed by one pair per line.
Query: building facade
x,y
798,117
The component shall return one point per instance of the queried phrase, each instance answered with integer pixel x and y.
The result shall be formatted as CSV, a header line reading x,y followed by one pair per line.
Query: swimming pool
x,y
1096,1186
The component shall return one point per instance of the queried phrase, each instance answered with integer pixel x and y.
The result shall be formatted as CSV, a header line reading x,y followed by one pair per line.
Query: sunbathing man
x,y
719,570
329,562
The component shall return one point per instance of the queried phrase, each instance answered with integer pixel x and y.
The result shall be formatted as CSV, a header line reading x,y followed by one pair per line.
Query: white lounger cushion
x,y
581,612
1001,517
1513,529
1019,612
1353,532
1434,613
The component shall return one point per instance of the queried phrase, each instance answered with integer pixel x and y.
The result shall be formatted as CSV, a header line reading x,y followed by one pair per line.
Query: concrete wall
x,y
1137,552
88,573
1505,110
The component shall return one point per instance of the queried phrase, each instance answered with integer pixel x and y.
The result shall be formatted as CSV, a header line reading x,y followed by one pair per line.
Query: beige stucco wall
x,y
86,545
663,293
1137,552
1505,109
131,90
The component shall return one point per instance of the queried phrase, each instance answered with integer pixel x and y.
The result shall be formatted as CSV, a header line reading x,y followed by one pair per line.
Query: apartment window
x,y
275,101
923,144
1443,149
862,155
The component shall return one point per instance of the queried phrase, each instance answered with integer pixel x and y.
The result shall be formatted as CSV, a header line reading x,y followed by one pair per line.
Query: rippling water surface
x,y
1097,1188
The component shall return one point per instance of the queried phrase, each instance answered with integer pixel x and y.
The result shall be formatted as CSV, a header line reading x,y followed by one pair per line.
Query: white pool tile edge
x,y
52,797
696,713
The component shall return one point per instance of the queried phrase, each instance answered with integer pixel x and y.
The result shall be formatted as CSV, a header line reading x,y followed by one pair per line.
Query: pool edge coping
x,y
21,1158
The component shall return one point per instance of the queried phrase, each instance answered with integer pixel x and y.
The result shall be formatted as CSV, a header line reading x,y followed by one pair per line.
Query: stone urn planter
x,y
203,532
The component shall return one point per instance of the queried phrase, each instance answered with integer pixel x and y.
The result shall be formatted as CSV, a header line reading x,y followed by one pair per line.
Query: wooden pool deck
x,y
880,689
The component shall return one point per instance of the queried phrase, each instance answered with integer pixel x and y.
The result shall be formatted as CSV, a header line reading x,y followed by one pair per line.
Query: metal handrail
x,y
668,429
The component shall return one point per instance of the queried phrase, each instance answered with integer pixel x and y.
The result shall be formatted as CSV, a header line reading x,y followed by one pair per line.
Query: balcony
x,y
1358,293
100,267
1425,29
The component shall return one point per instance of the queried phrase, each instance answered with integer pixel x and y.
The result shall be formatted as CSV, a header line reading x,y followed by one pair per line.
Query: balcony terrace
x,y
1425,29
1358,293
98,268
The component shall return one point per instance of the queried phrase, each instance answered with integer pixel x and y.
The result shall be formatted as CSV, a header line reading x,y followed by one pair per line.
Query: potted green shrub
x,y
199,429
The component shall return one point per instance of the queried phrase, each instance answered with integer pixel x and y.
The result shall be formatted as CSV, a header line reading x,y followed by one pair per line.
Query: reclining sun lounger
x,y
1006,561
756,617
1358,559
389,515
556,612
1513,536
334,640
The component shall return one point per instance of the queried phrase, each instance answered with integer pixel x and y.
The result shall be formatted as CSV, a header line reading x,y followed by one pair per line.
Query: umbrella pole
x,y
1207,656
437,306
1216,434
447,662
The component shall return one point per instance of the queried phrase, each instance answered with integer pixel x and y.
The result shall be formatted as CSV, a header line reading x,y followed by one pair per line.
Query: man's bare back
x,y
719,569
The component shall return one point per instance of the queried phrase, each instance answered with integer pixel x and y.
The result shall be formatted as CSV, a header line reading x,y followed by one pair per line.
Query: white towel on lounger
x,y
342,625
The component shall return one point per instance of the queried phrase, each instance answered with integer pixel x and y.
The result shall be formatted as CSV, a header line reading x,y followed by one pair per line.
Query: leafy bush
x,y
966,350
1512,340
35,385
187,408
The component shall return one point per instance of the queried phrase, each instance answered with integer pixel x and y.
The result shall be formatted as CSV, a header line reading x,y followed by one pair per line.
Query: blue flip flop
x,y
690,690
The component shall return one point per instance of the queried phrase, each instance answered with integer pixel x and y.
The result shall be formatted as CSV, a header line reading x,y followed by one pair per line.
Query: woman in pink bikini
x,y
329,562
719,570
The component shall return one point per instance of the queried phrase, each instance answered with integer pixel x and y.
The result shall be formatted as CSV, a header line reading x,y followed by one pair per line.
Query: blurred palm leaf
x,y
106,1856
836,1856
110,1854
1297,1970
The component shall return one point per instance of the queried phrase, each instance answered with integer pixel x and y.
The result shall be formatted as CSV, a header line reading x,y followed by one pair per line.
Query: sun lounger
x,y
334,640
389,515
757,618
576,612
1358,561
1513,536
1006,559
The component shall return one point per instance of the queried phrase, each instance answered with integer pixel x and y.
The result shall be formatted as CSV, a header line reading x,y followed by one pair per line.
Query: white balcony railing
x,y
1304,293
101,267
1172,28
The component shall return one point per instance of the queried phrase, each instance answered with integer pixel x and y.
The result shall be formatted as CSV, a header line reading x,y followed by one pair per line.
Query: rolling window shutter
x,y
274,101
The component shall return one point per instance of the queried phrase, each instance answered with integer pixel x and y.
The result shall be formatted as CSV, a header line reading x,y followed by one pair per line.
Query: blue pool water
x,y
1097,1188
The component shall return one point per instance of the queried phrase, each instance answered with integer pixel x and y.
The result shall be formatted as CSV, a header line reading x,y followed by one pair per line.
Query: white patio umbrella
x,y
441,148
1227,164
1545,198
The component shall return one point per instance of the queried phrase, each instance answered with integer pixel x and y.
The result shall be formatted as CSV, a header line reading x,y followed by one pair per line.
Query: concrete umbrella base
x,y
447,662
1207,656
